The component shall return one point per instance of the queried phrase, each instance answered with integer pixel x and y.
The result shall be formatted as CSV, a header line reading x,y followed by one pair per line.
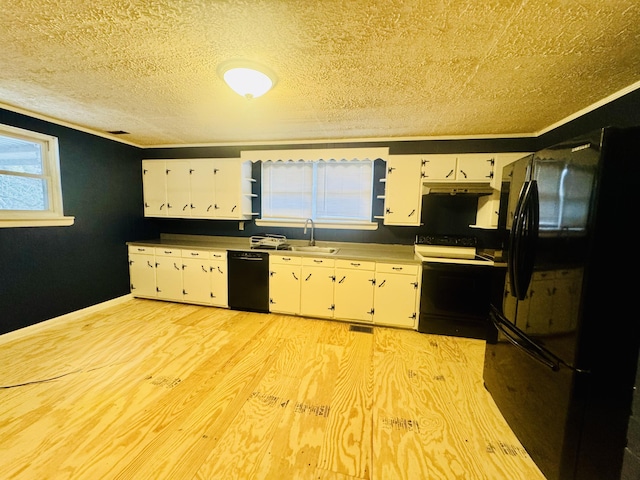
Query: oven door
x,y
455,299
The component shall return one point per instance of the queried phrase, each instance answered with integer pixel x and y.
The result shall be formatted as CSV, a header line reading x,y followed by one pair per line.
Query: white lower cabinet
x,y
169,273
353,291
196,277
397,294
219,280
142,271
316,287
284,284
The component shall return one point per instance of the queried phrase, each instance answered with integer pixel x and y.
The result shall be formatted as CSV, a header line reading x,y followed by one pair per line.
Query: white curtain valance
x,y
316,155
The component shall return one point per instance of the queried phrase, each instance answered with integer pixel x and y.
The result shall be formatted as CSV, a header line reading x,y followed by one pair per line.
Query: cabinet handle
x,y
286,259
192,207
390,169
373,281
215,206
169,205
185,207
396,268
146,205
371,312
204,269
449,174
209,207
415,285
184,292
149,263
318,261
412,212
308,277
463,173
167,171
383,282
130,262
234,207
271,302
387,210
161,206
220,270
175,266
354,264
342,279
294,275
271,274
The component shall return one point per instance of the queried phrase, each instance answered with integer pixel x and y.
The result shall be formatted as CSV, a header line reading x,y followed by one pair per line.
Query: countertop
x,y
360,251
346,250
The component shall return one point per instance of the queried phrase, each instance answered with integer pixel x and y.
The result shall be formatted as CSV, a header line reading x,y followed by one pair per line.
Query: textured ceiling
x,y
347,69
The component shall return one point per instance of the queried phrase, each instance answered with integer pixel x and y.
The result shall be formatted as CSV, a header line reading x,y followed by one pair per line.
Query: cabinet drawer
x,y
218,255
285,259
355,264
195,254
168,252
323,262
141,249
404,268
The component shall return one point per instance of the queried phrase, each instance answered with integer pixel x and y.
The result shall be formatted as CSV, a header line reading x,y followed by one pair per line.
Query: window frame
x,y
317,155
54,215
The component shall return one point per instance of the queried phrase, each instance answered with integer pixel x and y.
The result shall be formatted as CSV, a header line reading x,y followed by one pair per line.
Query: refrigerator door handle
x,y
523,238
519,340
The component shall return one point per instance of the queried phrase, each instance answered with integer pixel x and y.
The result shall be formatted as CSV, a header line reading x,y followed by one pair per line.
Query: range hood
x,y
456,188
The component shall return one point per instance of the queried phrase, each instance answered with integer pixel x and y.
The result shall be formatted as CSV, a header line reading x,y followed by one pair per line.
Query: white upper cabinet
x,y
215,188
154,182
403,190
467,167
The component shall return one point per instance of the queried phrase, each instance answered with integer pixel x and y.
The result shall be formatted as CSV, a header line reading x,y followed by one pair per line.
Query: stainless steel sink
x,y
314,249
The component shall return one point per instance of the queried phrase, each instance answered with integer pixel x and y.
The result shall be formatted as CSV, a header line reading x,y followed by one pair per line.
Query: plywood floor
x,y
156,390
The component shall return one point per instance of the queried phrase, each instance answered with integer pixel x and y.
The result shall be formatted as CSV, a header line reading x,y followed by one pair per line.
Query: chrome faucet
x,y
312,242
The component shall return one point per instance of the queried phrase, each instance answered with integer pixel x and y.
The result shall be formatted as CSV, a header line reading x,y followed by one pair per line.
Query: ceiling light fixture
x,y
247,78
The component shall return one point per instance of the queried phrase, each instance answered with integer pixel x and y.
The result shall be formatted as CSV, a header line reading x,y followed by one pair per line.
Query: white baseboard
x,y
68,317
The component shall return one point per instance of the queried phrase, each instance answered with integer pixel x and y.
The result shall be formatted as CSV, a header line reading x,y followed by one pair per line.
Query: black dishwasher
x,y
248,280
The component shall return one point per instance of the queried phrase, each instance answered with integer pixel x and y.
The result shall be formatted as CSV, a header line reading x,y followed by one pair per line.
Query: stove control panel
x,y
447,240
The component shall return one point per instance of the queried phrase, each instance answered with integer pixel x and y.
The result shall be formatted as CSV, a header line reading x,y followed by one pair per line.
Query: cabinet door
x,y
142,273
178,188
354,294
202,188
438,167
154,186
316,291
403,190
228,193
475,167
284,288
169,277
395,300
196,278
219,283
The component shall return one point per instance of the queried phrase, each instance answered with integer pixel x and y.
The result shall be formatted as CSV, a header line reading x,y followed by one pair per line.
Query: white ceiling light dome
x,y
247,79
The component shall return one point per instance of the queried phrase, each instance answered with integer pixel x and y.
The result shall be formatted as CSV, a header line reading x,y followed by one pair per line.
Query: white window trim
x,y
315,155
54,217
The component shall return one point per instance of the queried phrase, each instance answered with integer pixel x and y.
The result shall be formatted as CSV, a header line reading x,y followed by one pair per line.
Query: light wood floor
x,y
156,390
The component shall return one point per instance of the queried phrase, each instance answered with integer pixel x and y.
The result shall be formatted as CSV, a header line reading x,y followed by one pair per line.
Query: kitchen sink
x,y
314,249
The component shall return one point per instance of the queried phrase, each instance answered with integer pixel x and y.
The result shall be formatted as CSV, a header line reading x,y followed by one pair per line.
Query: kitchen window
x,y
30,191
332,187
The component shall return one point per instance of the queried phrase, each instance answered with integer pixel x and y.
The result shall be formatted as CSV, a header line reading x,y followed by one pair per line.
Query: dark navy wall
x,y
49,271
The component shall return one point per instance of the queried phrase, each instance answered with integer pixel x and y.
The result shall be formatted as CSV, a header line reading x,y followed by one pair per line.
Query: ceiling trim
x,y
590,108
62,123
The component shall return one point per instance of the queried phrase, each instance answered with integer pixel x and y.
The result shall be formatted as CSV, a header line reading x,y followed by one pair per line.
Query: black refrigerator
x,y
562,370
